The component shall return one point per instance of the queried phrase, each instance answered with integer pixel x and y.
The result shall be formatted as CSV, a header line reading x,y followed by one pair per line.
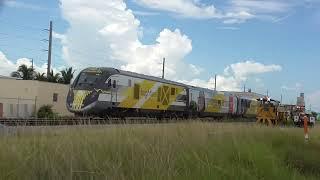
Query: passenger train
x,y
110,92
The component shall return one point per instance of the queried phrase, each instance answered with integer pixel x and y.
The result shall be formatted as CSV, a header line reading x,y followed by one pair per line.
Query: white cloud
x,y
235,75
106,33
186,8
245,69
145,13
264,6
8,66
23,5
231,12
61,37
196,9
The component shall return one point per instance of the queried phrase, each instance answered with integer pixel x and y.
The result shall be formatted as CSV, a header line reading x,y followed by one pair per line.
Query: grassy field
x,y
165,151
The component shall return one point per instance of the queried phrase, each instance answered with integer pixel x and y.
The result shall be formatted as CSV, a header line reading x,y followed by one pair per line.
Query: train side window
x,y
114,84
129,82
173,91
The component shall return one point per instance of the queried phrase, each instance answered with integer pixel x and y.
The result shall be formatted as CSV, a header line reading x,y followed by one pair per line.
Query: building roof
x,y
8,77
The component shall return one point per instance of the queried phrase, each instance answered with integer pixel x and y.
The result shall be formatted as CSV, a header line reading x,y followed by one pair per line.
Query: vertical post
x,y
49,49
35,107
305,125
244,88
215,82
164,61
18,106
267,92
281,99
32,68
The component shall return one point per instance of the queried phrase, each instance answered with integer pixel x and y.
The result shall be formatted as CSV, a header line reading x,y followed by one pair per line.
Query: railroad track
x,y
97,121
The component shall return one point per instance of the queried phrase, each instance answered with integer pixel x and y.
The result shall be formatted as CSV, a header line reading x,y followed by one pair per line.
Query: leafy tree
x,y
15,74
53,77
40,77
26,73
67,75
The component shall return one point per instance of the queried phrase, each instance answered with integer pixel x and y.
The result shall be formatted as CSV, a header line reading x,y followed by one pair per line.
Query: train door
x,y
1,110
114,91
193,99
231,105
201,101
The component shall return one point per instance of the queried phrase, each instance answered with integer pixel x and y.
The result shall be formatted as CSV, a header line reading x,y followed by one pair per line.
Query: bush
x,y
46,111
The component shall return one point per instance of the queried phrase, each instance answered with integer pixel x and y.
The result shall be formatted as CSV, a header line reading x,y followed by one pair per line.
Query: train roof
x,y
137,75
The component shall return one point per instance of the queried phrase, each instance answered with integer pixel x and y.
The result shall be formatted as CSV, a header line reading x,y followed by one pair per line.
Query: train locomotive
x,y
109,92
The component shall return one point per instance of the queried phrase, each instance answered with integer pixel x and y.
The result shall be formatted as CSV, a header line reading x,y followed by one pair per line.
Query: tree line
x,y
28,73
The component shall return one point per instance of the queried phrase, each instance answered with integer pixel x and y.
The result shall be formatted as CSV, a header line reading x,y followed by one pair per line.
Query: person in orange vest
x,y
305,125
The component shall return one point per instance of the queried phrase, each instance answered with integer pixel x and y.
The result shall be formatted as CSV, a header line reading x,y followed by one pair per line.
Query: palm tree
x,y
26,73
53,77
67,75
40,77
15,74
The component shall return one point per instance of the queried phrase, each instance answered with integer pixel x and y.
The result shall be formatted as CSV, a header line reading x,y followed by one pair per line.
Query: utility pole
x,y
32,64
244,88
215,82
281,99
164,61
32,68
49,49
267,92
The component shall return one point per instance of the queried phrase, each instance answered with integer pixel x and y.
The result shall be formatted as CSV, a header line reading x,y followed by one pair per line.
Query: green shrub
x,y
46,111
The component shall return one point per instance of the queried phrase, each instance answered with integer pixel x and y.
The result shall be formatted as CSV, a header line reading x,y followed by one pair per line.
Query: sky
x,y
266,45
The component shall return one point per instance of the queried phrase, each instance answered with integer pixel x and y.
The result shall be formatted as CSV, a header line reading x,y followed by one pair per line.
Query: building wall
x,y
45,95
22,98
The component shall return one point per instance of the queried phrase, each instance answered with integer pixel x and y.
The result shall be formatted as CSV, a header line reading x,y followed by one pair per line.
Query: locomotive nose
x,y
81,98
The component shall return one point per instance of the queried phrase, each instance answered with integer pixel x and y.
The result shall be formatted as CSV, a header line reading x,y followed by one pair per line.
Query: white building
x,y
23,98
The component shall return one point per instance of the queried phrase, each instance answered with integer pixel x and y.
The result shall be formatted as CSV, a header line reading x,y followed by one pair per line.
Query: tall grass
x,y
165,151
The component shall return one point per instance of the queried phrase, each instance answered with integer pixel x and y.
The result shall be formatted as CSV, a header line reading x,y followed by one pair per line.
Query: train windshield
x,y
87,80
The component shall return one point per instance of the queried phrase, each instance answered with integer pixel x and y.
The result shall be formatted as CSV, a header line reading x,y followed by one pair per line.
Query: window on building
x,y
11,109
55,97
129,82
25,106
173,91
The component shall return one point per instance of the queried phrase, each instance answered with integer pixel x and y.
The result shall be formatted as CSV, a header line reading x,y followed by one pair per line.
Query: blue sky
x,y
279,40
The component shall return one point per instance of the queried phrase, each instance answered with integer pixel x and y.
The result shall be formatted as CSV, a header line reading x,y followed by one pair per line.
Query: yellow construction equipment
x,y
270,113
